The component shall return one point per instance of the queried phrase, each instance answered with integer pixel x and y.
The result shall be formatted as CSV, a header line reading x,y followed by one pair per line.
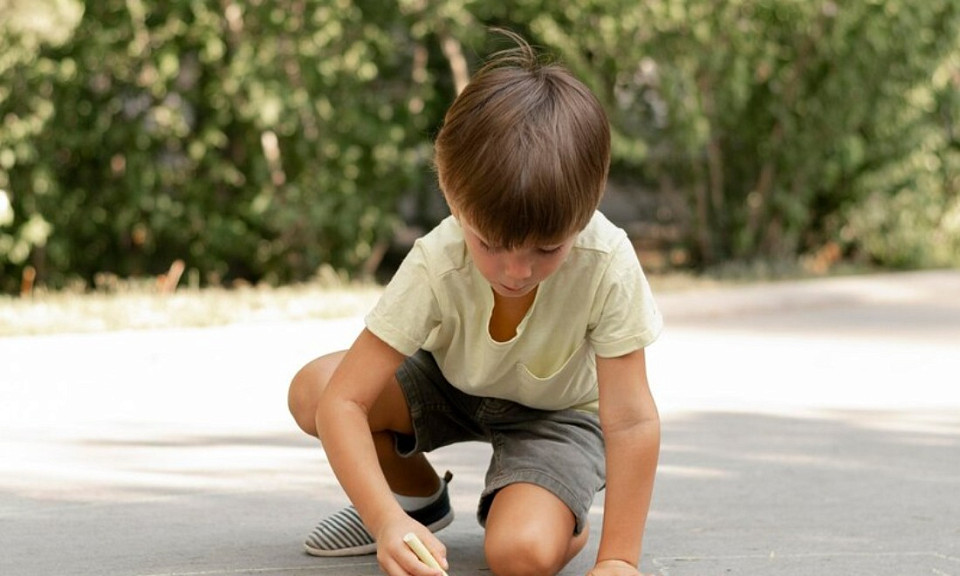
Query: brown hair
x,y
524,150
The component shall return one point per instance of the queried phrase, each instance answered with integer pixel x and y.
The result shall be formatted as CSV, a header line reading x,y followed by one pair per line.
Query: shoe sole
x,y
372,548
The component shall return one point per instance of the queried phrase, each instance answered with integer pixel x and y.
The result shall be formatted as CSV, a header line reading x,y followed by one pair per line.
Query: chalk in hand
x,y
421,551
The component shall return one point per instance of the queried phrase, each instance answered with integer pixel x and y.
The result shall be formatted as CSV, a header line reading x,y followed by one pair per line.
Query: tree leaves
x,y
265,140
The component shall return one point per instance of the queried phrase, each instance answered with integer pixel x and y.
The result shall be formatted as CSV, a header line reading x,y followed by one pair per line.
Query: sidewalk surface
x,y
808,428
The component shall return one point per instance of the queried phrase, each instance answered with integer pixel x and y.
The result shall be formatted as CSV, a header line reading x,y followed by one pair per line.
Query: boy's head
x,y
524,150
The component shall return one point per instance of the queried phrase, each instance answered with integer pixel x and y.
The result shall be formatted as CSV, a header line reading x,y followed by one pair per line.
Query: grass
x,y
138,308
137,305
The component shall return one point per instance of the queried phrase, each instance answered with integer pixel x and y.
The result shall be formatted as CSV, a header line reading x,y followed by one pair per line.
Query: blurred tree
x,y
771,117
909,214
264,140
26,111
253,140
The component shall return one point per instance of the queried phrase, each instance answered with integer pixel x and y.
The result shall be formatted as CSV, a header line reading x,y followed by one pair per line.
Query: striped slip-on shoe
x,y
343,533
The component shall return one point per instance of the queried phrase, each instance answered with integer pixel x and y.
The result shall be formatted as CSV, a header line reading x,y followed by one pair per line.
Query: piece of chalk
x,y
421,551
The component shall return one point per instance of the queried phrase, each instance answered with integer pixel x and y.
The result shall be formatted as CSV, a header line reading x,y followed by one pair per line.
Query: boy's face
x,y
515,273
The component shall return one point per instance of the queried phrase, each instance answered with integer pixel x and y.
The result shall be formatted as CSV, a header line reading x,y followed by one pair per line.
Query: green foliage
x,y
910,230
257,141
265,140
910,216
771,118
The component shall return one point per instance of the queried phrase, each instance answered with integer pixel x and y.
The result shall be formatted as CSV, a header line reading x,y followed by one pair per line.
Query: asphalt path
x,y
808,427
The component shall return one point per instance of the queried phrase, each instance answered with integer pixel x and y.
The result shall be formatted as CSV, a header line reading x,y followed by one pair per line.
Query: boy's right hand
x,y
397,559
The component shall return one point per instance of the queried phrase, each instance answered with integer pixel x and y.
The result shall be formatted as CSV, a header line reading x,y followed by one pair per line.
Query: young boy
x,y
520,320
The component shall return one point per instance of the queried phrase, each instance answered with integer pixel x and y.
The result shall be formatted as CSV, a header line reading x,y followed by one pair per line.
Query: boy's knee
x,y
302,402
523,553
305,390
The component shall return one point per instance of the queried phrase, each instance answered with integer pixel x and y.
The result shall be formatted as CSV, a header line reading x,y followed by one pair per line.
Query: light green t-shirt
x,y
597,303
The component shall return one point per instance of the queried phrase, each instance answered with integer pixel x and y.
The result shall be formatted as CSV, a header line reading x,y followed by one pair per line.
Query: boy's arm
x,y
631,430
342,425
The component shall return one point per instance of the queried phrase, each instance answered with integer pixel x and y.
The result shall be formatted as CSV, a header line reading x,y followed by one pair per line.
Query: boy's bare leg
x,y
413,476
530,531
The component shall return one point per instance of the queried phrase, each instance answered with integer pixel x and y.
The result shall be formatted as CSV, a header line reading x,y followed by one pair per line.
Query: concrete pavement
x,y
808,427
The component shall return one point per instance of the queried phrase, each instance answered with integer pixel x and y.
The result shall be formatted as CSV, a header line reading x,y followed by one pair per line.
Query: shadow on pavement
x,y
840,492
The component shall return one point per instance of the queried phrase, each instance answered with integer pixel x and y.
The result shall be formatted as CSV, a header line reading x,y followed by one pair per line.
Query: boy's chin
x,y
507,292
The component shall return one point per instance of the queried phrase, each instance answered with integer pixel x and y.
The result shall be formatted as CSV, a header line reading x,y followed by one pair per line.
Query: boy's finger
x,y
439,552
423,553
406,563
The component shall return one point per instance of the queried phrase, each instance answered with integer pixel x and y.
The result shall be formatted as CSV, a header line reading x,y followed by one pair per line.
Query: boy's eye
x,y
550,250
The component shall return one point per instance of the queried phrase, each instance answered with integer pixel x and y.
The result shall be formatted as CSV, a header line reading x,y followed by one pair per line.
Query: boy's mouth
x,y
508,291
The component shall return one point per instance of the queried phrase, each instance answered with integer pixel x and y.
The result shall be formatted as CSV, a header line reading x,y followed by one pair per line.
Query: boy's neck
x,y
508,313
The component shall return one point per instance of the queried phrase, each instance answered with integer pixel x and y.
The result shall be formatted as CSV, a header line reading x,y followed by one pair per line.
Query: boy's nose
x,y
517,266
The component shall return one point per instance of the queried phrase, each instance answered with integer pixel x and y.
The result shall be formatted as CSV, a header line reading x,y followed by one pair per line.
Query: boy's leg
x,y
343,533
410,476
544,474
530,531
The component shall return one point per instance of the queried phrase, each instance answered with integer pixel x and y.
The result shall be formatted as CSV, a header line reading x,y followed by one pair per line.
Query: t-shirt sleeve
x,y
625,316
408,310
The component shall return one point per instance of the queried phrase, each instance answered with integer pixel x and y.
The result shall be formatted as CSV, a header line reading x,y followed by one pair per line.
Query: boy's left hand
x,y
613,568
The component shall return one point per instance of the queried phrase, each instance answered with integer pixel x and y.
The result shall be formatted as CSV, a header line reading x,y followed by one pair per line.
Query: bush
x,y
263,140
771,119
258,143
910,217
